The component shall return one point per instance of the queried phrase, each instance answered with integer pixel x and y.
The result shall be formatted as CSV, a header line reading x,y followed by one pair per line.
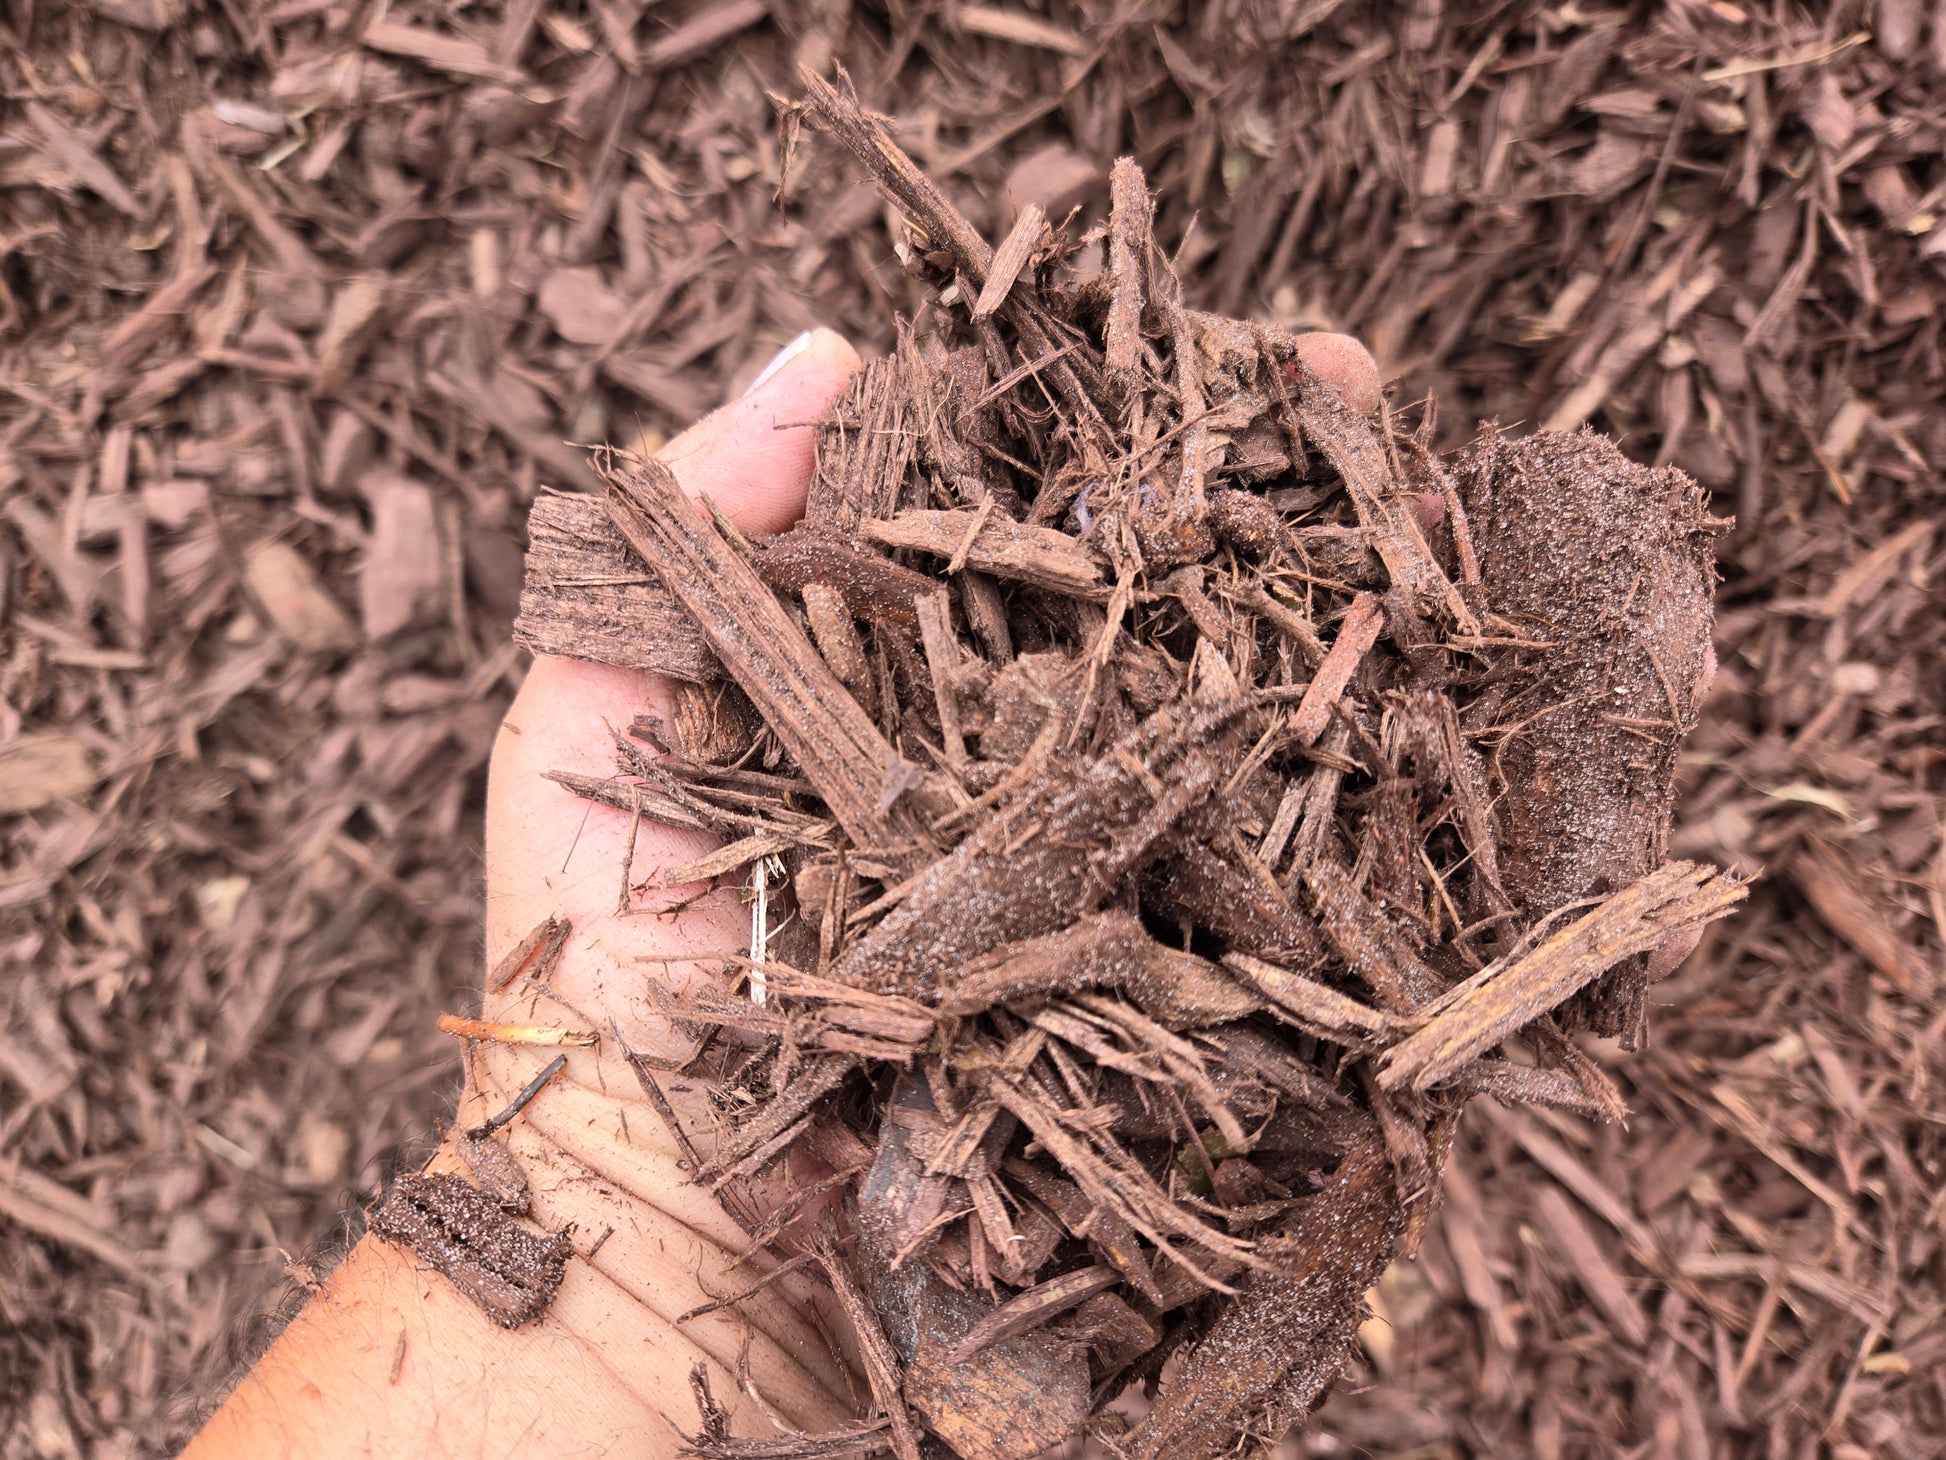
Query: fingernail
x,y
778,361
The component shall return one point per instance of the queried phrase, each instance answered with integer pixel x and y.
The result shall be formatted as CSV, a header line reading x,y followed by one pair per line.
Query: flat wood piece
x,y
1506,996
838,748
1279,1345
588,595
1357,632
509,1271
997,546
1033,1308
1010,258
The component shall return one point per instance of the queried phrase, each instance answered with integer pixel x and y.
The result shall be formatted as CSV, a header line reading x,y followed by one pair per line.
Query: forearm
x,y
391,1358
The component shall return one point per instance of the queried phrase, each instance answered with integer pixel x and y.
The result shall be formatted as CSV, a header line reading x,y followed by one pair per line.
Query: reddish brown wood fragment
x,y
511,1272
1570,1237
1612,564
837,639
866,448
775,1125
1007,1402
1283,1341
1093,825
1003,548
1131,217
1349,443
942,660
540,947
588,595
725,859
1498,1000
838,748
1212,891
1357,632
1110,950
873,587
1010,258
1032,1309
868,141
440,51
495,1171
1313,1007
1838,902
880,1363
1366,939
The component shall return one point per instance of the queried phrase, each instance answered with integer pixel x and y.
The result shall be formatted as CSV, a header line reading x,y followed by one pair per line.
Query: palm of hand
x,y
595,1151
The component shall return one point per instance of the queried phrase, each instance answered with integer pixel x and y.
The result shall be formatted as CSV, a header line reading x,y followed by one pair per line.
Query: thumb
x,y
1345,366
548,852
754,456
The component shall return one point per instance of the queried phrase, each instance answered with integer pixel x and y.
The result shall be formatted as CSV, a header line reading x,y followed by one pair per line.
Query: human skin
x,y
389,1358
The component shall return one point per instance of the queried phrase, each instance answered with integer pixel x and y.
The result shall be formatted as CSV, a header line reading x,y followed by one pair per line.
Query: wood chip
x,y
1033,1308
1505,996
1009,550
588,595
1011,257
43,769
502,1266
287,588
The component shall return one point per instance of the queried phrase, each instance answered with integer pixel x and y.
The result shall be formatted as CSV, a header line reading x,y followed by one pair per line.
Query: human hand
x,y
392,1357
389,1357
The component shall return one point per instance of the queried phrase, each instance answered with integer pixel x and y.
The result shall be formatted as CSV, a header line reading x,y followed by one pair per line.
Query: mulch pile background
x,y
299,303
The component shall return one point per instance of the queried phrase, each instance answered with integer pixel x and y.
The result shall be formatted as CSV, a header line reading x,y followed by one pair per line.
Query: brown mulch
x,y
301,303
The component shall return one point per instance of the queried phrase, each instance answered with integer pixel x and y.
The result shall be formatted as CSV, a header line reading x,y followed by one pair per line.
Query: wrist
x,y
601,1164
390,1357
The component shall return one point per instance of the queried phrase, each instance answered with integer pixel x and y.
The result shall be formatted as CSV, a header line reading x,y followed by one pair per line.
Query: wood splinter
x,y
521,1101
510,1271
488,1032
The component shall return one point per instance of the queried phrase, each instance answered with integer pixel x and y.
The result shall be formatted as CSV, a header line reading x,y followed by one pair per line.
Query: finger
x,y
1345,365
754,456
551,853
1672,952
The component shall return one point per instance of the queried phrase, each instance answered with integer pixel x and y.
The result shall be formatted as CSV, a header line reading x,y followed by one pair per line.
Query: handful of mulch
x,y
1191,792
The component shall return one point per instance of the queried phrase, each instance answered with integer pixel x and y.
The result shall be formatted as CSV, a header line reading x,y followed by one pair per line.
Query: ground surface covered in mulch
x,y
301,302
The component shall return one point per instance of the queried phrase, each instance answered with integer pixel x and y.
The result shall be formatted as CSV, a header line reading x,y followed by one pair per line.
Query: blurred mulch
x,y
300,302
